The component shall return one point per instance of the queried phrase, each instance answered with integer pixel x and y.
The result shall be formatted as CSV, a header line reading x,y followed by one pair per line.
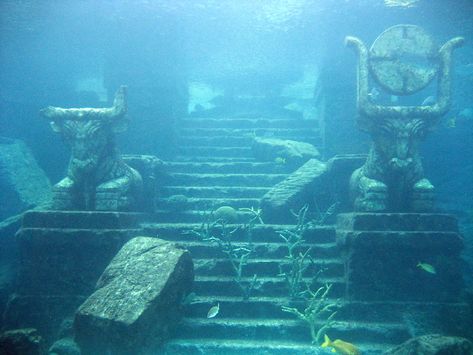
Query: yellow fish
x,y
426,267
340,346
213,311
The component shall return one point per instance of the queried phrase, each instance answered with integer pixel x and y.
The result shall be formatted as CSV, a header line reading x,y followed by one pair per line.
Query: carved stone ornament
x,y
403,60
97,178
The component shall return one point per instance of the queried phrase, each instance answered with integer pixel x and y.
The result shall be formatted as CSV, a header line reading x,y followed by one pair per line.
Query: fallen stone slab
x,y
292,192
138,299
283,151
433,344
323,186
22,182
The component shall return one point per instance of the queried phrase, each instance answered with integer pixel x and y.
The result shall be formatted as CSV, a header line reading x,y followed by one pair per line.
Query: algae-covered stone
x,y
293,152
23,184
137,302
292,192
433,344
21,341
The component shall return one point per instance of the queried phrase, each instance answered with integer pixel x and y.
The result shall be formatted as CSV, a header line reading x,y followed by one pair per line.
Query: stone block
x,y
382,253
138,299
21,341
152,171
292,192
60,261
433,344
22,182
81,219
397,222
294,153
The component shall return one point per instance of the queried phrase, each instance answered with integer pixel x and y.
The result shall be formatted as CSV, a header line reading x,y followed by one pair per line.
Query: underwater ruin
x,y
237,225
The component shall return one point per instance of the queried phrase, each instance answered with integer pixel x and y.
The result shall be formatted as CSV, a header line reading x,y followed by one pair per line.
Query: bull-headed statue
x,y
403,60
97,178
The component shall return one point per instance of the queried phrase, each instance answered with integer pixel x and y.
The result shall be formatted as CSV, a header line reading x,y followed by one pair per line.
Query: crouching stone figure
x,y
402,61
97,178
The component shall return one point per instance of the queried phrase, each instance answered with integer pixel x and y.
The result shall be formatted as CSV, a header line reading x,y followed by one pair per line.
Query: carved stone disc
x,y
403,59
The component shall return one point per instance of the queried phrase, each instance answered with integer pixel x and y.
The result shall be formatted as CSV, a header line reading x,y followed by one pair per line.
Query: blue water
x,y
224,58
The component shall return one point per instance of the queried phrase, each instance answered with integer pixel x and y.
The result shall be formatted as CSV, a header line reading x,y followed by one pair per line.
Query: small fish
x,y
340,346
280,160
213,311
373,94
426,267
428,101
451,123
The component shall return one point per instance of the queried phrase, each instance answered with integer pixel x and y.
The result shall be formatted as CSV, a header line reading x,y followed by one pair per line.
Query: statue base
x,y
62,255
384,254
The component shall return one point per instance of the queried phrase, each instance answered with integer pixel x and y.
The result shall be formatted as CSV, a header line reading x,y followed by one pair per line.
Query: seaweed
x,y
218,232
298,261
318,313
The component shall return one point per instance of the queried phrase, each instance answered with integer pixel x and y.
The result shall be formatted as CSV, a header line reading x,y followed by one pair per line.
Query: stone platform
x,y
62,255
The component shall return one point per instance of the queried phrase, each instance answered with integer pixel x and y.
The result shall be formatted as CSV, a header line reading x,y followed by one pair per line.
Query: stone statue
x,y
97,178
403,60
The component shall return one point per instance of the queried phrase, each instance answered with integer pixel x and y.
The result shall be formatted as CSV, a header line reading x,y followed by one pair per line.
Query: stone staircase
x,y
216,168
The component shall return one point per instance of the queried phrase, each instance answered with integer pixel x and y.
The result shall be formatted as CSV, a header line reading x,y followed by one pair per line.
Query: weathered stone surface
x,y
392,178
137,302
21,341
64,346
382,253
81,219
295,153
152,171
97,177
61,255
23,184
325,183
292,192
8,258
433,344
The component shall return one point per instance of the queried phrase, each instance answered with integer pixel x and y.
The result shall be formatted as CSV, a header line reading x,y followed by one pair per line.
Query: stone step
x,y
211,346
245,139
265,286
230,167
251,115
251,347
202,151
261,307
267,267
289,330
209,159
215,191
81,219
208,204
262,180
246,123
236,307
267,233
191,216
397,222
293,132
262,250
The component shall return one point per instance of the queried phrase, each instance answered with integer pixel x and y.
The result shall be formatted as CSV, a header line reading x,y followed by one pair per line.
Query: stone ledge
x,y
81,219
397,222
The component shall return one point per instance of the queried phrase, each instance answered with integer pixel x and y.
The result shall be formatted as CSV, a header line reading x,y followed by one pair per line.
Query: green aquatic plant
x,y
297,261
318,313
219,233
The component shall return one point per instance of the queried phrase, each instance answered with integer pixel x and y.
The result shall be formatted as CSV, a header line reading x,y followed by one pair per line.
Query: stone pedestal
x,y
382,252
62,255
